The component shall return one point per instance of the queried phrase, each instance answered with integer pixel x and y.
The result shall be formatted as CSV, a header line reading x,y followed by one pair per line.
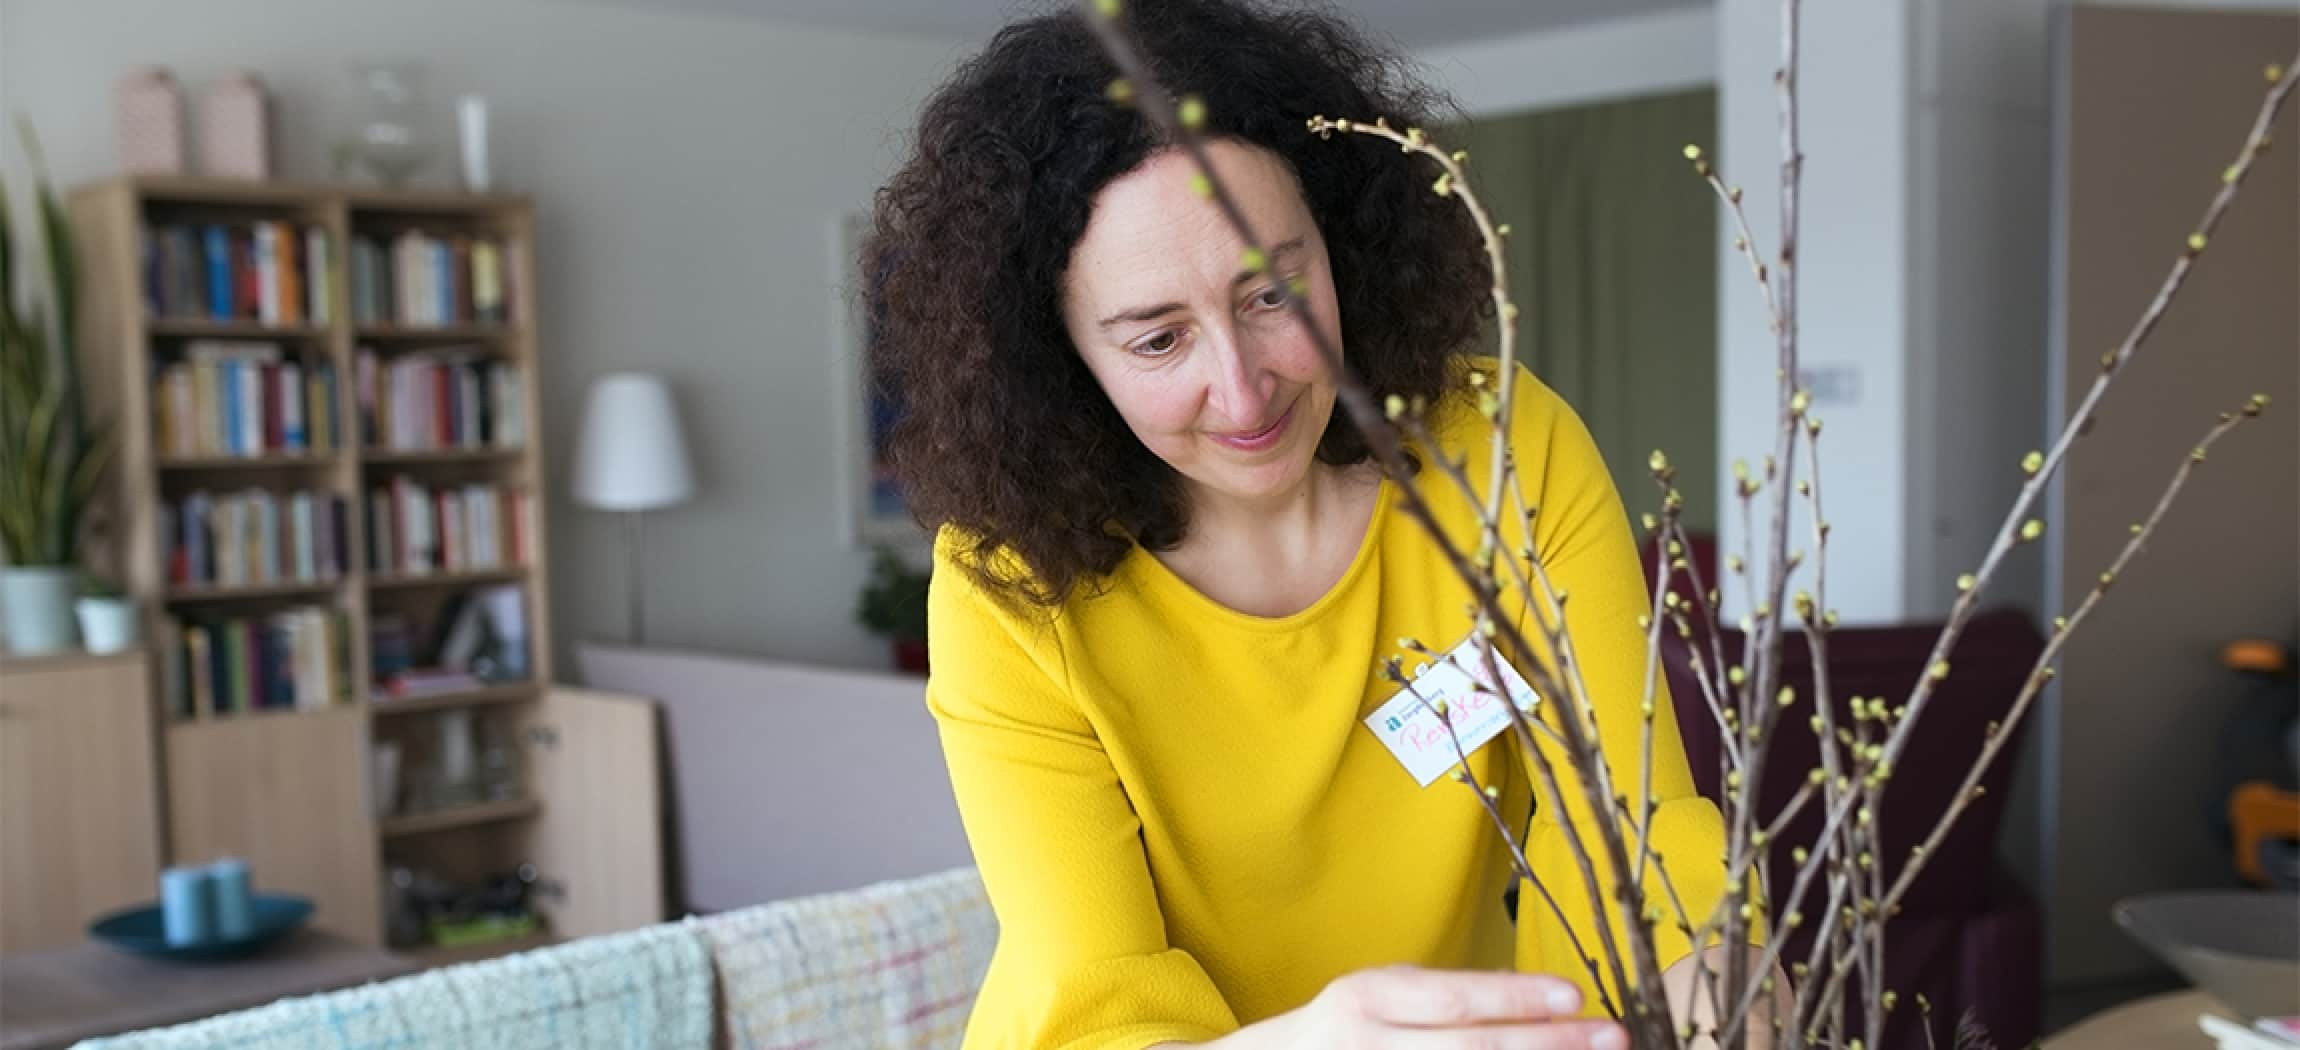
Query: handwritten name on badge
x,y
1424,743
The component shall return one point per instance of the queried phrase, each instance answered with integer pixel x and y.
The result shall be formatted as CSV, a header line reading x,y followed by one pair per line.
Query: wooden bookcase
x,y
292,789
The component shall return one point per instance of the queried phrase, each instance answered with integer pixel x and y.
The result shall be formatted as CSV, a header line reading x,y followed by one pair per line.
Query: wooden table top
x,y
56,998
2159,1022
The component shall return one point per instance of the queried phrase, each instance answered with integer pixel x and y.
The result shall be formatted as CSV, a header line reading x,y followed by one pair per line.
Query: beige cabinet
x,y
291,793
79,809
286,792
598,841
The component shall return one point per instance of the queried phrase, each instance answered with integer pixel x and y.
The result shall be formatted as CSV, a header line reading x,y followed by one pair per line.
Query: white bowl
x,y
2241,946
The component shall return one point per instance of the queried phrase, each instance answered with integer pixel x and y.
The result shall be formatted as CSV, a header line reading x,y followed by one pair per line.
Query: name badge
x,y
1409,726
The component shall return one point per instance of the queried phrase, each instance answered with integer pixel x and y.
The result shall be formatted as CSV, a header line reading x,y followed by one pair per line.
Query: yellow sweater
x,y
1183,824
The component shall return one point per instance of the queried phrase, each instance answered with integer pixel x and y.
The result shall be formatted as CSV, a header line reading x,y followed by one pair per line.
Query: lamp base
x,y
635,584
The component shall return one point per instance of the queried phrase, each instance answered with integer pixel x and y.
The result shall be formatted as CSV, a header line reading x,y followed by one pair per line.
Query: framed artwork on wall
x,y
871,502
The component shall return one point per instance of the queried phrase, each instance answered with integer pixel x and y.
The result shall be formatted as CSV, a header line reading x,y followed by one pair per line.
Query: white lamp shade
x,y
631,455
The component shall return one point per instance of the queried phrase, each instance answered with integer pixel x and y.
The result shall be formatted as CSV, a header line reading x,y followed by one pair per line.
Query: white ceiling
x,y
1414,23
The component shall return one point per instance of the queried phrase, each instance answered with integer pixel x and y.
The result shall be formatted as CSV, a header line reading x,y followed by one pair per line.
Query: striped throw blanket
x,y
893,966
645,990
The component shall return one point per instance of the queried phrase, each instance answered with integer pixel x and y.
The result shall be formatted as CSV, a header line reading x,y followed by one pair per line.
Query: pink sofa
x,y
785,780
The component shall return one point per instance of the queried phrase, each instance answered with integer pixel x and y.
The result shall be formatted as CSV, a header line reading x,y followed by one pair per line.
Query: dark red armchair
x,y
1969,937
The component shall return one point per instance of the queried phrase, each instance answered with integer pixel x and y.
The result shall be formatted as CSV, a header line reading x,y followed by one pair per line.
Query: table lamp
x,y
630,457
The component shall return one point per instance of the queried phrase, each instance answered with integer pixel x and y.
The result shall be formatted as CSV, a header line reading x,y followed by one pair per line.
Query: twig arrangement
x,y
1746,696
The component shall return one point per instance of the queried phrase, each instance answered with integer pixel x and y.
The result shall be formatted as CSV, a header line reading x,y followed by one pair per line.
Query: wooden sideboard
x,y
79,794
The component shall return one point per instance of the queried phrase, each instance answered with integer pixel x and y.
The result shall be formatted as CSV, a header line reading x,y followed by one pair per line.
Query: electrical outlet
x,y
1831,385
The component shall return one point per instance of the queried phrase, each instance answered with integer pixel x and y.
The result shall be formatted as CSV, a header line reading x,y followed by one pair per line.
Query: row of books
x,y
479,637
451,398
269,271
255,537
417,529
293,659
418,279
243,399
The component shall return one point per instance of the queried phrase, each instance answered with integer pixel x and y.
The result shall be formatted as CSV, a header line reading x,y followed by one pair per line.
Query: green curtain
x,y
1613,261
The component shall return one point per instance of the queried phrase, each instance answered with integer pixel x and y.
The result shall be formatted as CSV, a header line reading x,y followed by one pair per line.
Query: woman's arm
x,y
1416,1009
1582,536
1083,961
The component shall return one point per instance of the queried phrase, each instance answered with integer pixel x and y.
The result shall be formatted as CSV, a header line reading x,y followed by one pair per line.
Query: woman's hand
x,y
1698,1006
1410,1008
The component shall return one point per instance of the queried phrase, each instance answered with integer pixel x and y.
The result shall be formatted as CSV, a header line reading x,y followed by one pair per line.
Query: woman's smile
x,y
1259,440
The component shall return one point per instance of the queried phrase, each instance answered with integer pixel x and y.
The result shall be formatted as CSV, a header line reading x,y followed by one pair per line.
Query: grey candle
x,y
235,905
187,906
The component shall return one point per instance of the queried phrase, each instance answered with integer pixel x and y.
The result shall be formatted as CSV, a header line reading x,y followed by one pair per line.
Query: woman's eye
x,y
1271,298
1159,345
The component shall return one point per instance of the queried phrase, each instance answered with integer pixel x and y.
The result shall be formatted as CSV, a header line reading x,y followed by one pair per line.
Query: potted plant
x,y
107,615
50,458
893,607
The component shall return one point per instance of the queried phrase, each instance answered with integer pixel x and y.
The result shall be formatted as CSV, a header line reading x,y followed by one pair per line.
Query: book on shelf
x,y
430,400
293,659
415,278
254,537
270,271
416,683
416,529
478,639
245,399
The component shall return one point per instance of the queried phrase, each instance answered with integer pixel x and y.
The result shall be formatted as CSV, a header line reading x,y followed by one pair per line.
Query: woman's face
x,y
1209,370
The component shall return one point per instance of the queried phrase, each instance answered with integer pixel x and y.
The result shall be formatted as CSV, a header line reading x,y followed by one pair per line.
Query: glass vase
x,y
388,138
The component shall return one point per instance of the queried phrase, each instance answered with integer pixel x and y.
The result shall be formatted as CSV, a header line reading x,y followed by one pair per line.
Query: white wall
x,y
1980,196
1853,287
1922,291
686,170
1620,58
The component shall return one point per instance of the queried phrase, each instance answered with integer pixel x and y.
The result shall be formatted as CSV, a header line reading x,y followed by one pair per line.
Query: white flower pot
x,y
107,625
36,608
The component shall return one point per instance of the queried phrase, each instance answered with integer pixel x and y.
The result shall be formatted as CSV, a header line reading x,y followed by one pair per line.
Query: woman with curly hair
x,y
1167,572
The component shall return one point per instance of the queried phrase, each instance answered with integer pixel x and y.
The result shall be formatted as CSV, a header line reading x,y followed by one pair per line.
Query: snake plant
x,y
50,456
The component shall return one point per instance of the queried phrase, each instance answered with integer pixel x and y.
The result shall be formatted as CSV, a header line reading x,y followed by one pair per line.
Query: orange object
x,y
2253,654
2259,811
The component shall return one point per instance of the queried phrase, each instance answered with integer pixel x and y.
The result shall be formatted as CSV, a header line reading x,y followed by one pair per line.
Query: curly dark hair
x,y
1000,429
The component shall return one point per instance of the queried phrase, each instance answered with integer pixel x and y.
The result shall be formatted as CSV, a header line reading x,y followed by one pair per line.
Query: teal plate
x,y
138,930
